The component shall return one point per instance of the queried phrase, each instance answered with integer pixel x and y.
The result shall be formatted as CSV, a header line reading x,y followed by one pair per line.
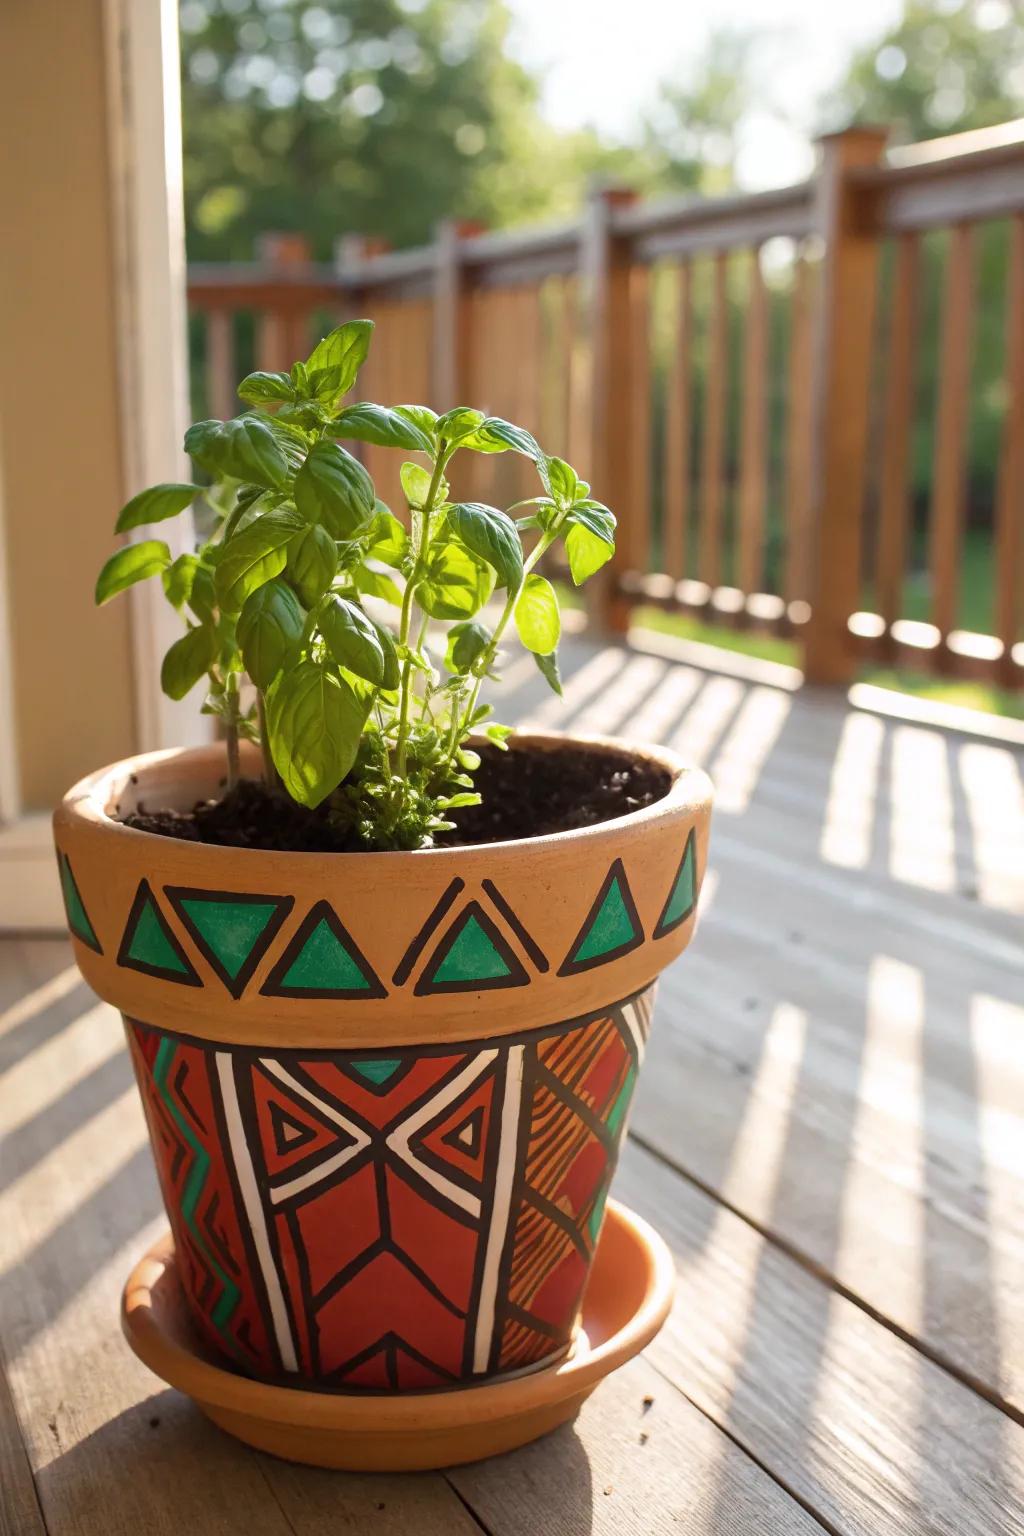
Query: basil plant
x,y
347,709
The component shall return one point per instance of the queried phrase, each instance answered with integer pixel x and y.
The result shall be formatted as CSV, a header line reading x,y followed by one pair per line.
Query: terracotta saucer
x,y
627,1300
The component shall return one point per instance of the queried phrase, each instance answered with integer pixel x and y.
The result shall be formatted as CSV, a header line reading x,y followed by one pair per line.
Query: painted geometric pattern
x,y
467,943
403,1221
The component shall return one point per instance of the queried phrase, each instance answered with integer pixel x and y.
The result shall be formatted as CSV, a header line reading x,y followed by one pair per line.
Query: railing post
x,y
608,432
451,314
840,399
283,334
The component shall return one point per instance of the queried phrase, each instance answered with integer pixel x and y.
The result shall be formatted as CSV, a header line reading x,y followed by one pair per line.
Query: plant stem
x,y
269,771
231,728
415,576
541,547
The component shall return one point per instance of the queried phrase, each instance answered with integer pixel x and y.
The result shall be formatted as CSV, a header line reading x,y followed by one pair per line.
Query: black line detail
x,y
689,852
570,965
322,911
143,896
531,946
517,975
177,895
422,939
241,1221
90,939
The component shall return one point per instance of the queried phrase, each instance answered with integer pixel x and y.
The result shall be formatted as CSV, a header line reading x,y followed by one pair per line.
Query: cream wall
x,y
61,449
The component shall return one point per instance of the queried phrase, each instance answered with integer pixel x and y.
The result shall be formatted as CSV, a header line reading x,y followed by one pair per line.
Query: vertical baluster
x,y
1009,520
893,508
796,511
639,524
219,372
709,562
949,456
283,334
753,435
675,518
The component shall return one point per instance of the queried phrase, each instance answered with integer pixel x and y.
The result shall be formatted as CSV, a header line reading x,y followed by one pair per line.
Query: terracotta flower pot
x,y
385,1092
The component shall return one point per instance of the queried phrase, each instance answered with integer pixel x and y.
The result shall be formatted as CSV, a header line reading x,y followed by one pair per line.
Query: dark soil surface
x,y
525,794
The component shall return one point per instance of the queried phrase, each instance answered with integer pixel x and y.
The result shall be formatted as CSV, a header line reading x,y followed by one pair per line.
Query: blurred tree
x,y
376,116
942,69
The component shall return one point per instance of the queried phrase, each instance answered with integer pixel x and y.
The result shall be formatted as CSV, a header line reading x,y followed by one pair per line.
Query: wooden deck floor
x,y
829,1133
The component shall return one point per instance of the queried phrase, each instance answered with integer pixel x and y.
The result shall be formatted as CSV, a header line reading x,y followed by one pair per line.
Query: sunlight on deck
x,y
849,822
881,1221
737,766
39,999
41,1077
921,846
997,1031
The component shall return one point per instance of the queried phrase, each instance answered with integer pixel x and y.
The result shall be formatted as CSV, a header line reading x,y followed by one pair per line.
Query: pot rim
x,y
87,801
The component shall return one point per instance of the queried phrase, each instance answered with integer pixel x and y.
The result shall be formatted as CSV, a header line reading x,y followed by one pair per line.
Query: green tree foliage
x,y
372,116
941,69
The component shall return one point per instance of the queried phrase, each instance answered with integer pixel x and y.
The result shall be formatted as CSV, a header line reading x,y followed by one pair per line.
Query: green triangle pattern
x,y
472,957
684,892
150,946
230,929
324,965
613,927
377,1071
621,1106
78,918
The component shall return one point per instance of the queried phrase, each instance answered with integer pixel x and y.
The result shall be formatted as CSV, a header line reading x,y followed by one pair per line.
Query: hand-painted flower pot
x,y
385,1092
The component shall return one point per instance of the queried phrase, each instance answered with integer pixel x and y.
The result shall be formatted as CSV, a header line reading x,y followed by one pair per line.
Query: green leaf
x,y
155,505
458,424
416,485
135,562
562,481
457,584
492,535
466,642
314,720
388,540
269,625
333,488
255,556
292,439
355,642
587,552
496,436
334,363
392,671
188,659
421,417
178,580
375,584
537,617
312,563
257,387
595,516
244,448
549,667
202,599
371,423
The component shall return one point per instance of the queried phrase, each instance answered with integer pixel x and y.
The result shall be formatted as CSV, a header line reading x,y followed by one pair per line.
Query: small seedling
x,y
347,709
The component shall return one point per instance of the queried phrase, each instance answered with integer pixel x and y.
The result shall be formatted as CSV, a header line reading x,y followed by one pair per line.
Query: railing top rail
x,y
963,177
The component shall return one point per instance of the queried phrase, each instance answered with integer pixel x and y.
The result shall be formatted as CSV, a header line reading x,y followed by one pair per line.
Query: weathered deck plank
x,y
855,991
850,1418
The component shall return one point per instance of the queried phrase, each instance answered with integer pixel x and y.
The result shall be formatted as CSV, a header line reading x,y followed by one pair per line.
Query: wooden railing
x,y
739,377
